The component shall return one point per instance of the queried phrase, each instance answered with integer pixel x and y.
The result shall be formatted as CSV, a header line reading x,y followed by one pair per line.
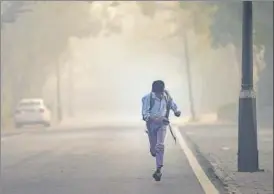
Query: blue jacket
x,y
159,108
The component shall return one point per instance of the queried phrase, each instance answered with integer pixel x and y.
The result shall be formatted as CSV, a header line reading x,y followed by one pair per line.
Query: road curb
x,y
214,171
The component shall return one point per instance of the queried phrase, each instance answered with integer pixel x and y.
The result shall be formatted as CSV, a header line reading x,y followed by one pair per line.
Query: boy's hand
x,y
166,121
177,113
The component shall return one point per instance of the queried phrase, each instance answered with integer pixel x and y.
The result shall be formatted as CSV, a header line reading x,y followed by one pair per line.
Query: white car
x,y
31,112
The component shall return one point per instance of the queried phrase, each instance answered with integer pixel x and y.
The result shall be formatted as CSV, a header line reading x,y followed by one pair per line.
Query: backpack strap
x,y
168,105
151,101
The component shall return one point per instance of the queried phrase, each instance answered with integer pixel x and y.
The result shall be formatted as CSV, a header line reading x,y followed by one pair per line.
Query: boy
x,y
154,110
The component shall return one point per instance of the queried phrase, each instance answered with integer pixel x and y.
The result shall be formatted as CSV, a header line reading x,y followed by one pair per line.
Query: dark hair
x,y
158,86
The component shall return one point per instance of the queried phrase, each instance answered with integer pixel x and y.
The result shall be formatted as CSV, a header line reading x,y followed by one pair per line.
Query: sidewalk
x,y
217,143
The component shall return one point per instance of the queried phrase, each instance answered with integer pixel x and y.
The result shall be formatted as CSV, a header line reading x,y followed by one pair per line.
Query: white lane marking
x,y
206,184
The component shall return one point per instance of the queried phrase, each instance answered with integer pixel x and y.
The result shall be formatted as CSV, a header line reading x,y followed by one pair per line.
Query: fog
x,y
111,76
108,70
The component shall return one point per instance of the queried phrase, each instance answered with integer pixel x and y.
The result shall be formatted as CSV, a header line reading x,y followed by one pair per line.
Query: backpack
x,y
167,98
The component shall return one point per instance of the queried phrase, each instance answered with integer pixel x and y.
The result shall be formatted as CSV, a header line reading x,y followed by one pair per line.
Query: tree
x,y
12,10
195,18
148,8
33,43
227,28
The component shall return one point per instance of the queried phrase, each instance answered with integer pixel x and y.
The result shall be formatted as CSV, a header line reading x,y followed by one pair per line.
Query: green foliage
x,y
227,28
199,16
263,23
227,23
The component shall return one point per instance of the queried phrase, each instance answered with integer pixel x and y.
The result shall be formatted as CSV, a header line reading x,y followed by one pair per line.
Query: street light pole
x,y
247,123
189,80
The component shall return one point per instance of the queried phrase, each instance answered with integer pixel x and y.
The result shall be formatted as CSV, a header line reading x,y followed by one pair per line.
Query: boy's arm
x,y
145,107
173,106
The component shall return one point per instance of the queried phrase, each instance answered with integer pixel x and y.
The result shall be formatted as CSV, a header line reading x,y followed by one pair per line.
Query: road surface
x,y
101,160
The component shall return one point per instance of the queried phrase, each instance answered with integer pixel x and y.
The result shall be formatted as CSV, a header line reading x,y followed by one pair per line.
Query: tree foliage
x,y
33,43
10,11
227,23
224,22
34,35
148,8
227,28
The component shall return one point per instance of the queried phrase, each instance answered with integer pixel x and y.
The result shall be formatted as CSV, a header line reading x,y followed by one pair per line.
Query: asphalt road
x,y
101,160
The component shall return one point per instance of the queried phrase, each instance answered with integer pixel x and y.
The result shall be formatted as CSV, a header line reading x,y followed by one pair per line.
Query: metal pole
x,y
247,123
189,81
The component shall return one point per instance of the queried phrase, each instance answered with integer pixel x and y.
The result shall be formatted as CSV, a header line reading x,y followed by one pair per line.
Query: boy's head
x,y
158,87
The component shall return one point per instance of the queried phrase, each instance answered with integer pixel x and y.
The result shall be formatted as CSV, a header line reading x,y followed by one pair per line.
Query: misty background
x,y
108,54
